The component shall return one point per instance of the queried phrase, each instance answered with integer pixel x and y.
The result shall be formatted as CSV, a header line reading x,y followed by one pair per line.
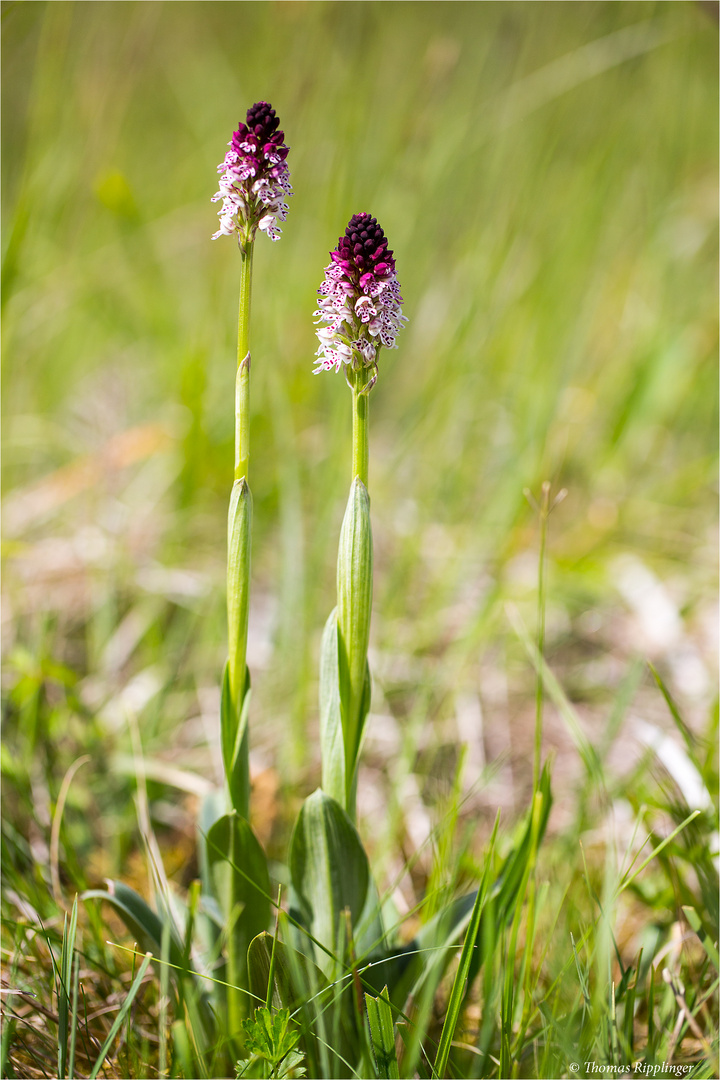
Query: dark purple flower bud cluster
x,y
363,250
359,307
255,179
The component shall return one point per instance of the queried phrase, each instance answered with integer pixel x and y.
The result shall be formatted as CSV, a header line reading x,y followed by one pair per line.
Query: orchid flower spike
x,y
359,307
255,178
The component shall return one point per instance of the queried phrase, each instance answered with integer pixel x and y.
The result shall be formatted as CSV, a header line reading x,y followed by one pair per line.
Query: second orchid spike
x,y
360,303
255,179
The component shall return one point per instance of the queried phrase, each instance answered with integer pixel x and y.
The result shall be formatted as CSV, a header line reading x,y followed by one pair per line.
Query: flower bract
x,y
255,179
359,309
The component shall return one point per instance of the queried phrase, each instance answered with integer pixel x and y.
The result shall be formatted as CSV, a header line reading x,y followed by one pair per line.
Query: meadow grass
x,y
547,174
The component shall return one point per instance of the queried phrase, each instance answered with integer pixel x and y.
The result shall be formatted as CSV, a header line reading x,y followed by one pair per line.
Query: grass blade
x,y
457,993
657,850
694,919
458,989
74,1019
118,1022
63,992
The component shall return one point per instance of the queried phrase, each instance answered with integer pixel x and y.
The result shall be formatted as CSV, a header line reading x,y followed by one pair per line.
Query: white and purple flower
x,y
255,178
359,308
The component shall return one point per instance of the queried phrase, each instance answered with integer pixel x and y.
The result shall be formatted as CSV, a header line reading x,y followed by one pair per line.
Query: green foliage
x,y
234,741
270,1039
147,927
332,741
382,1035
236,680
120,1018
354,604
548,176
67,996
241,886
330,876
462,975
292,973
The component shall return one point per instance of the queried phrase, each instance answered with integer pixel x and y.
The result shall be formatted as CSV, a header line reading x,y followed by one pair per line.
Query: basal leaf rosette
x,y
255,179
359,309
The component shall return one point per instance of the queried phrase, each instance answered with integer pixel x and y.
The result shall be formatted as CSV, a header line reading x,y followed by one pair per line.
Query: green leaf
x,y
295,978
382,1035
506,889
212,808
241,885
682,727
369,931
140,919
236,680
694,919
238,582
461,981
147,928
335,780
298,985
182,1047
63,988
354,591
7,1039
234,740
403,968
331,732
511,876
329,872
271,1037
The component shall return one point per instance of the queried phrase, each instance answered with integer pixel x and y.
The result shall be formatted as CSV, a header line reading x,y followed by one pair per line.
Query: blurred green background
x,y
547,176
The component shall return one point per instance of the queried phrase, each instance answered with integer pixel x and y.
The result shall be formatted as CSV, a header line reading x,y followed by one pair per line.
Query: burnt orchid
x,y
326,992
253,186
255,179
359,309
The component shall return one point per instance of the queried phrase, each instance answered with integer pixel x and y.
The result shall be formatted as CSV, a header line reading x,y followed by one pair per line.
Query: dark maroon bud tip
x,y
365,244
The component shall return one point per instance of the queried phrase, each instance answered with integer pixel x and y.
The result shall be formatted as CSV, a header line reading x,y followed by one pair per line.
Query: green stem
x,y
360,454
539,687
242,381
240,518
